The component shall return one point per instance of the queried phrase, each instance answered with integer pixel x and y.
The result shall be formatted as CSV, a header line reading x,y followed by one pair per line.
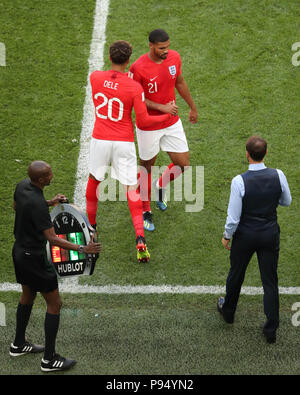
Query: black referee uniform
x,y
29,250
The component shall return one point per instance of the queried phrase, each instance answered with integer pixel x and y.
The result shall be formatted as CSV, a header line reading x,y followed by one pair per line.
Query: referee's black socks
x,y
23,315
51,329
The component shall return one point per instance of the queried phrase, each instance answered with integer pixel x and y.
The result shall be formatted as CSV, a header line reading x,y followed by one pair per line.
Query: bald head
x,y
40,172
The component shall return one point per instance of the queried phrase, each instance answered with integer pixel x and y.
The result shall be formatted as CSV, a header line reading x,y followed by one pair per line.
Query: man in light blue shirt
x,y
252,225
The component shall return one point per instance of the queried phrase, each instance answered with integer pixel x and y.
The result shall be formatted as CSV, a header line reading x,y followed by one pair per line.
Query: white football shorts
x,y
170,139
117,156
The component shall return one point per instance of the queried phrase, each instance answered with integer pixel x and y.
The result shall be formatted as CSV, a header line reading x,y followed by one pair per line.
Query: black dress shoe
x,y
270,337
227,317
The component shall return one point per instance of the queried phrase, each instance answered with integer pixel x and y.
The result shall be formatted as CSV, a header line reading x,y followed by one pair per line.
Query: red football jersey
x,y
158,81
114,96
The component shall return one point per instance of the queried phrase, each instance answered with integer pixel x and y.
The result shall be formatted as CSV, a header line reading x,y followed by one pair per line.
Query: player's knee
x,y
181,160
27,296
54,306
27,299
146,165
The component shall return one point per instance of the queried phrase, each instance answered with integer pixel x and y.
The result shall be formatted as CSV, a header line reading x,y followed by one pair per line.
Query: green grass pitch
x,y
237,60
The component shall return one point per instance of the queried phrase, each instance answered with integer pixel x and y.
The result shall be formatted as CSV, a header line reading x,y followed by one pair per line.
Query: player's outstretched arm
x,y
143,119
169,108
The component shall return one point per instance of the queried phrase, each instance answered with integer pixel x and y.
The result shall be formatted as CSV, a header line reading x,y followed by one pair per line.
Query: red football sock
x,y
170,174
92,200
145,188
136,211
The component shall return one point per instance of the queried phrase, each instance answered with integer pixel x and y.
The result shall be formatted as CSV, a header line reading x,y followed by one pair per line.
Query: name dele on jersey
x,y
111,85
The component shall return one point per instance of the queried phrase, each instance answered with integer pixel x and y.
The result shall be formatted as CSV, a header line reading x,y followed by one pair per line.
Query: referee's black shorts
x,y
33,269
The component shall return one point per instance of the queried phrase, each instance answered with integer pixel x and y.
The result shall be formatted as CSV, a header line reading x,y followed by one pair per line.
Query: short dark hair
x,y
256,147
158,35
120,51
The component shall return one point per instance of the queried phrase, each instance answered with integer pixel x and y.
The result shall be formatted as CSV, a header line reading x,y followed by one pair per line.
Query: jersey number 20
x,y
109,104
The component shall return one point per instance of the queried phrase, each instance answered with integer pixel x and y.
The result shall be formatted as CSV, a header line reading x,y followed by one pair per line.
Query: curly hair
x,y
120,51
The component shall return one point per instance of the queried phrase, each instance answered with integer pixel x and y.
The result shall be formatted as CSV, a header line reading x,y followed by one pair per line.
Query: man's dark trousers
x,y
266,245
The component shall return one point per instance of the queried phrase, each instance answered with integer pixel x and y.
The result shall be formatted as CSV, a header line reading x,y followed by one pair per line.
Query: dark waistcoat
x,y
262,194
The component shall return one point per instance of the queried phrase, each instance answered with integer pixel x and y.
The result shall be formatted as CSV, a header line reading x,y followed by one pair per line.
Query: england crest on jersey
x,y
172,70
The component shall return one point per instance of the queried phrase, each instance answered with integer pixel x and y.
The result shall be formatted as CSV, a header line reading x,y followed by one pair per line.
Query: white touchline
x,y
74,288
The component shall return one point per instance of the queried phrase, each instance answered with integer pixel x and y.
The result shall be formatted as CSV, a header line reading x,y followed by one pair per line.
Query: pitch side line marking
x,y
74,288
96,62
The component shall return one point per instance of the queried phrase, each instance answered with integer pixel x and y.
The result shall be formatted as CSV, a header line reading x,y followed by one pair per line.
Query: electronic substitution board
x,y
71,224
